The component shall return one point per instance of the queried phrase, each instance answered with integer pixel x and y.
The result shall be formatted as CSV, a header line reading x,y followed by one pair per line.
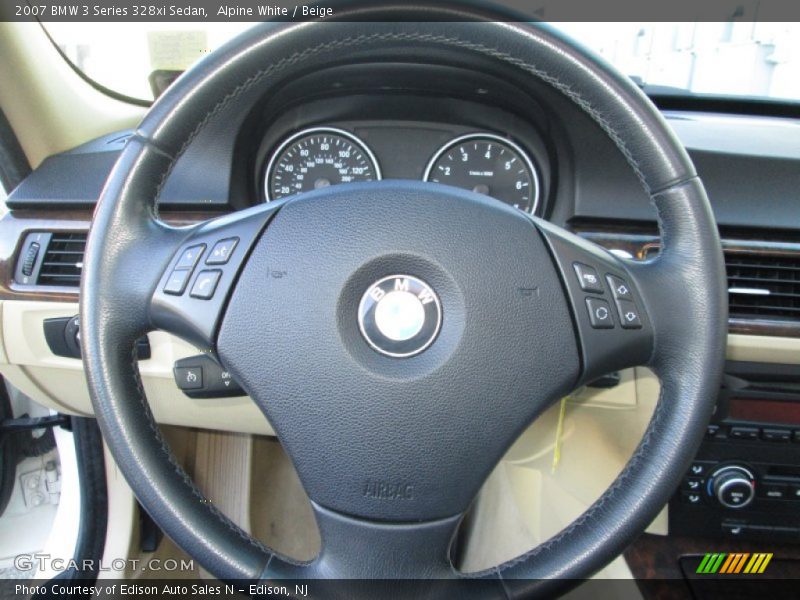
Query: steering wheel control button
x,y
629,315
176,284
599,313
399,316
206,284
214,381
189,257
189,378
221,252
619,288
588,278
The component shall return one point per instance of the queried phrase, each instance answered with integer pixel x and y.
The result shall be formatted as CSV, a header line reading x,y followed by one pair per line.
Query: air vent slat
x,y
63,260
763,286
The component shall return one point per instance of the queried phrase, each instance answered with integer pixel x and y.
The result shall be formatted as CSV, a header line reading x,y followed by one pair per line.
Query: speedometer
x,y
487,164
316,158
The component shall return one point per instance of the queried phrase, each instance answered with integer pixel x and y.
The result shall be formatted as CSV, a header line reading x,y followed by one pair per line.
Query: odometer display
x,y
317,158
487,164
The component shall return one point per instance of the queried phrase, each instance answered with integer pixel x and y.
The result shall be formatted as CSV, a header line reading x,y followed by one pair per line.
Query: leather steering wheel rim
x,y
118,285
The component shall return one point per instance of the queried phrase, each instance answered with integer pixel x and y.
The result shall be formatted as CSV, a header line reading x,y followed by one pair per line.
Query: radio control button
x,y
744,433
776,435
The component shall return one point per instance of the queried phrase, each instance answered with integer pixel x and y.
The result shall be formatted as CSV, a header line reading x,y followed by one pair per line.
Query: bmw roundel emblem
x,y
399,315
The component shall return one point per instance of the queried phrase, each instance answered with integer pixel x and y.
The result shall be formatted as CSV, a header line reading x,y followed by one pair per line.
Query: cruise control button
x,y
599,313
189,378
221,252
629,314
190,256
176,284
619,288
588,278
205,284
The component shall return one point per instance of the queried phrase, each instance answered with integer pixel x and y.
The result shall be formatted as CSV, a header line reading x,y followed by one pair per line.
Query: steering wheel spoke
x,y
609,311
192,291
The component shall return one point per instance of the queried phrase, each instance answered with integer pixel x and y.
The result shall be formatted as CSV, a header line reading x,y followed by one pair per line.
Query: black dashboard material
x,y
751,184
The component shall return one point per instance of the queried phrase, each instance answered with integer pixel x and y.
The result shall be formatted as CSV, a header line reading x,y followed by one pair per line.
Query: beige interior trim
x,y
50,108
765,349
60,383
528,499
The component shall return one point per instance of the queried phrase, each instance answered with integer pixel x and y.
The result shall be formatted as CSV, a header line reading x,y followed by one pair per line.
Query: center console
x,y
745,480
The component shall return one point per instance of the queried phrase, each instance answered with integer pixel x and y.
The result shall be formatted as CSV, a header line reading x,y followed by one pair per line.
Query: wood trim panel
x,y
654,559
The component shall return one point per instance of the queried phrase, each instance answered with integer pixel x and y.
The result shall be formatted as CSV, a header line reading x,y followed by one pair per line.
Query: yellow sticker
x,y
562,413
176,50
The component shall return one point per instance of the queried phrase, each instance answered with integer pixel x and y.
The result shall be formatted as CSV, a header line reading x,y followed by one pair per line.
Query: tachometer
x,y
316,158
487,164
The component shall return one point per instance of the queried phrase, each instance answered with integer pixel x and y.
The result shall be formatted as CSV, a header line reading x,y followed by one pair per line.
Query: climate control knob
x,y
733,486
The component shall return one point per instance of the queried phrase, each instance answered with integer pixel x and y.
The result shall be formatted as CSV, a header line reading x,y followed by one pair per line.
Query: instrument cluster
x,y
481,161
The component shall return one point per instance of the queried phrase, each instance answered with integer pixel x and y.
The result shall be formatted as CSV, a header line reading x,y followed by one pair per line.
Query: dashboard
x,y
478,129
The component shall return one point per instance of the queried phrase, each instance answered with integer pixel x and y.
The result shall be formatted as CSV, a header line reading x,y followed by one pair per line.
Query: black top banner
x,y
508,10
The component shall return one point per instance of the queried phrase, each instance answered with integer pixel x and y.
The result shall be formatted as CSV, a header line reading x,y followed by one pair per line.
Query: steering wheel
x,y
381,328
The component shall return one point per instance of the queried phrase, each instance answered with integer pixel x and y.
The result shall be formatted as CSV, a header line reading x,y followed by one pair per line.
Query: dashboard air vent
x,y
763,286
63,260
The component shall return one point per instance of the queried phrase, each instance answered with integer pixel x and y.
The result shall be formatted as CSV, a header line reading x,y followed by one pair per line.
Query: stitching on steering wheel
x,y
589,513
181,472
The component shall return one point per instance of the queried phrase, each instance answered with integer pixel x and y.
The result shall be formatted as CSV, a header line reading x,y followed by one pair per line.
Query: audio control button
x,y
744,433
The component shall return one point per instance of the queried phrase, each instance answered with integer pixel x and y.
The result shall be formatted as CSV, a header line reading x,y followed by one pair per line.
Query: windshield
x,y
757,60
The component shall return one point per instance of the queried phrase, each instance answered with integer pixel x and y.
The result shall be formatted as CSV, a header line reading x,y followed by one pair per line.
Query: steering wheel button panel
x,y
221,252
189,257
195,316
588,278
206,284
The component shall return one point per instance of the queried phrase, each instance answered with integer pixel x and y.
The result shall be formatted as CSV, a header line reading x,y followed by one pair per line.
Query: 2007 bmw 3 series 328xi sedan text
x,y
378,299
